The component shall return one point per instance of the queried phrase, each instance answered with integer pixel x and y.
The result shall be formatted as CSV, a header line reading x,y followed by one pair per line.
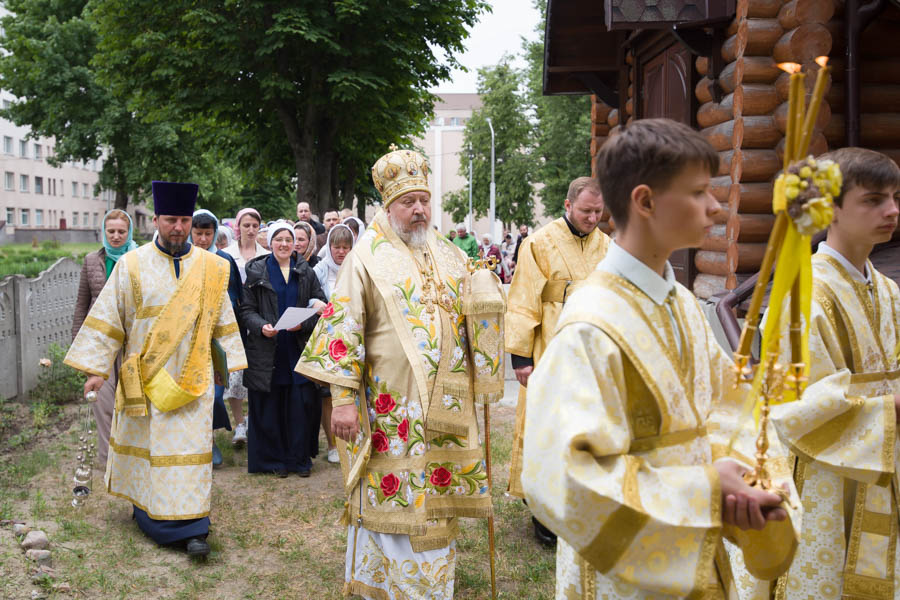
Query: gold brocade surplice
x,y
417,463
552,261
843,433
161,462
621,434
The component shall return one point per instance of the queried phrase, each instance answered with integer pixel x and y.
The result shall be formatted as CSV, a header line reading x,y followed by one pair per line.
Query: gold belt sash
x,y
191,311
555,290
673,438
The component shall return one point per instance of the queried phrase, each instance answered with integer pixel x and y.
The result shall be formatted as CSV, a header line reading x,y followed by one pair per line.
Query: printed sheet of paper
x,y
293,316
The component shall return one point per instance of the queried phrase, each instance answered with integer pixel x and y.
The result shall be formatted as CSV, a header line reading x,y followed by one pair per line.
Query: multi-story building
x,y
36,195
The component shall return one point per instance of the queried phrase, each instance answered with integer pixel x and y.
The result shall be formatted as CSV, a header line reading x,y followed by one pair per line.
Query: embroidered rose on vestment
x,y
380,441
384,404
441,477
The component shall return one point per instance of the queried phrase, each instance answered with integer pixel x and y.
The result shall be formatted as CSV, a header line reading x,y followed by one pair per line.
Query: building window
x,y
38,217
23,148
23,183
23,216
96,220
38,185
74,189
62,188
84,190
37,152
10,215
7,145
7,104
74,218
454,121
9,181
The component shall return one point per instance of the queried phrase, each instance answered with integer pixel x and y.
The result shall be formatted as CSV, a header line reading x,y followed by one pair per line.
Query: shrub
x,y
58,383
50,244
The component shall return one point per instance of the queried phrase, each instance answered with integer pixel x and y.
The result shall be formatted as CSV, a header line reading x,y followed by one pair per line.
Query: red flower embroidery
x,y
328,311
337,349
390,483
440,477
380,441
384,404
403,429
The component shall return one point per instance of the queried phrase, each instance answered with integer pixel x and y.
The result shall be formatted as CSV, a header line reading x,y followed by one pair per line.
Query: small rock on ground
x,y
41,557
36,540
21,529
62,588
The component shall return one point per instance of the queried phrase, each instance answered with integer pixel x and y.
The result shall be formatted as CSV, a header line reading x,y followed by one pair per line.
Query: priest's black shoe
x,y
543,535
197,547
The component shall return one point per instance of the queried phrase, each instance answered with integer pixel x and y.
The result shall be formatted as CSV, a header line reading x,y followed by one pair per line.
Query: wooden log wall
x,y
747,127
879,71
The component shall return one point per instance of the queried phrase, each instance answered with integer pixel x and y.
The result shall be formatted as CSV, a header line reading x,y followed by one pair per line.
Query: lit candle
x,y
793,106
814,105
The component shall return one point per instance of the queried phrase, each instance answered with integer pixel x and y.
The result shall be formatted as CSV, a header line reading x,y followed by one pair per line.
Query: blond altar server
x,y
632,405
163,305
552,261
401,342
843,429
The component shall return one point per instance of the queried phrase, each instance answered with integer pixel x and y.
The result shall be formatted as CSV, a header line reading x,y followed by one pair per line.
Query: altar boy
x,y
843,429
631,408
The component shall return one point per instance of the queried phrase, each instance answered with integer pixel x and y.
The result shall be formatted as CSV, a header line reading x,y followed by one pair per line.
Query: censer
x,y
86,451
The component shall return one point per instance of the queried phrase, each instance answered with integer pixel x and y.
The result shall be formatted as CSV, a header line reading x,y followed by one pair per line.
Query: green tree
x,y
50,46
503,101
320,89
562,128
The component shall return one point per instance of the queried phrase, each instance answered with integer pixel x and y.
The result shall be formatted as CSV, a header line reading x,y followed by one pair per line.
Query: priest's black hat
x,y
178,199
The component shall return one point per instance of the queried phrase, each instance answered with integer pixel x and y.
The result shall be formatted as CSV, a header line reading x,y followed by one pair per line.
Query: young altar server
x,y
631,407
842,430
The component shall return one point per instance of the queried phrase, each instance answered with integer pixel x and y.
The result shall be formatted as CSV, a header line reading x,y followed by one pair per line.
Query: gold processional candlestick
x,y
799,129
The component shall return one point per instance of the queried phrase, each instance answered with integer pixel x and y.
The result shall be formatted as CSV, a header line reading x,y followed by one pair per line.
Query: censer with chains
x,y
86,452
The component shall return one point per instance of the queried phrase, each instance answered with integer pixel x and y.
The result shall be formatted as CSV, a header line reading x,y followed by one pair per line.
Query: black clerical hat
x,y
176,199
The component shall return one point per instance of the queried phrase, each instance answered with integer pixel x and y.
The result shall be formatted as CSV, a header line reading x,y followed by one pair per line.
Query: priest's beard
x,y
414,237
173,247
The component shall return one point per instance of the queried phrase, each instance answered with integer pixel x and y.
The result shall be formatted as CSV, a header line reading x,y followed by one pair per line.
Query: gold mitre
x,y
399,172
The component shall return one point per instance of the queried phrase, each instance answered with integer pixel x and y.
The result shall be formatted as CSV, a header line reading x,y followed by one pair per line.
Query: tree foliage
x,y
503,101
319,89
48,66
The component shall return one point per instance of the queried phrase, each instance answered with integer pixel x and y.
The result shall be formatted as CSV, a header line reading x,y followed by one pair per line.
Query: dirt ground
x,y
270,537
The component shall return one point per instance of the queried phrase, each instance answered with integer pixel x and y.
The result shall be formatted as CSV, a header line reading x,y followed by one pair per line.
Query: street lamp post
x,y
471,223
493,206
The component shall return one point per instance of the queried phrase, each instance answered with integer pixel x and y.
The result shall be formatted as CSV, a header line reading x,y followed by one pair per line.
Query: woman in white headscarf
x,y
356,226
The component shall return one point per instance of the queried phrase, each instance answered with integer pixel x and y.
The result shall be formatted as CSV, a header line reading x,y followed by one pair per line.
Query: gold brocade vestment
x,y
842,432
161,462
622,470
552,261
417,463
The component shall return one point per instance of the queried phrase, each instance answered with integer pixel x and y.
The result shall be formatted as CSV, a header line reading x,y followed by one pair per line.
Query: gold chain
x,y
434,291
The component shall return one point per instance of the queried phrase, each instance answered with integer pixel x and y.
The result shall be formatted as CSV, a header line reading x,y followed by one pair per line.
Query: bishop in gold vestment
x,y
396,343
843,434
552,261
630,406
162,309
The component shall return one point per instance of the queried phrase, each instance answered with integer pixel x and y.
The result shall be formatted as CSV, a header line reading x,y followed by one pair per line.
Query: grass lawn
x,y
23,259
271,538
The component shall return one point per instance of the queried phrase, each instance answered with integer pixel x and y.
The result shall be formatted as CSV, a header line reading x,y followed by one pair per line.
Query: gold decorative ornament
x,y
434,291
399,172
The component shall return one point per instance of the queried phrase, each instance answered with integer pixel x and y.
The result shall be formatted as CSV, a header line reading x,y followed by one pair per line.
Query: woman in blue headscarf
x,y
117,240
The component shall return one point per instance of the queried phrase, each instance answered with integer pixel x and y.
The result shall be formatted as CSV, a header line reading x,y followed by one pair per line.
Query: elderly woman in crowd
x,y
244,249
284,405
117,240
305,242
356,226
338,244
224,238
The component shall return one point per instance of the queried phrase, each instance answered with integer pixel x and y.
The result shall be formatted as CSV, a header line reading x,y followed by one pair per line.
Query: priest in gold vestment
x,y
631,409
163,305
401,344
552,261
843,429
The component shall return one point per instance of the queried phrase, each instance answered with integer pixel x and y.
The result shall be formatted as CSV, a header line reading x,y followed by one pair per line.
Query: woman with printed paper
x,y
284,405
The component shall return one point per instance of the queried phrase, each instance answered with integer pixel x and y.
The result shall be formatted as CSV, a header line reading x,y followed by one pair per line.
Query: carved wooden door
x,y
666,91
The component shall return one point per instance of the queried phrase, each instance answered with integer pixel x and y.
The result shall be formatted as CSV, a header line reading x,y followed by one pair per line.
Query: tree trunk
x,y
325,158
121,187
348,187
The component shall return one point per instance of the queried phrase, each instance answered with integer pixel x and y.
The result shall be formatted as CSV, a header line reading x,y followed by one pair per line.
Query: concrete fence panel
x,y
9,340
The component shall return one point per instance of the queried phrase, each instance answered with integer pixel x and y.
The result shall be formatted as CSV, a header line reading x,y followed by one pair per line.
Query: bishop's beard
x,y
413,237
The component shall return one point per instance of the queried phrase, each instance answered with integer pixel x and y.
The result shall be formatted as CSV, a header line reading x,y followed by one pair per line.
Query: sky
x,y
498,33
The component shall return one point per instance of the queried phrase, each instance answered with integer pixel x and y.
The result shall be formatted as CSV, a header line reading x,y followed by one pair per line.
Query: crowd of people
x,y
628,446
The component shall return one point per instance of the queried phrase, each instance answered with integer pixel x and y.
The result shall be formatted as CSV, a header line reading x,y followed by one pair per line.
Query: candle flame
x,y
822,61
789,67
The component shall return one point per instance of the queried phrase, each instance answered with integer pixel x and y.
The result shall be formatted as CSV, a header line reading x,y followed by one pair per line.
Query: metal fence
x,y
33,314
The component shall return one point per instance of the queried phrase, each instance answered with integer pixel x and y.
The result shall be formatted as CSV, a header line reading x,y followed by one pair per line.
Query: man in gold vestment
x,y
843,429
401,350
552,261
164,304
